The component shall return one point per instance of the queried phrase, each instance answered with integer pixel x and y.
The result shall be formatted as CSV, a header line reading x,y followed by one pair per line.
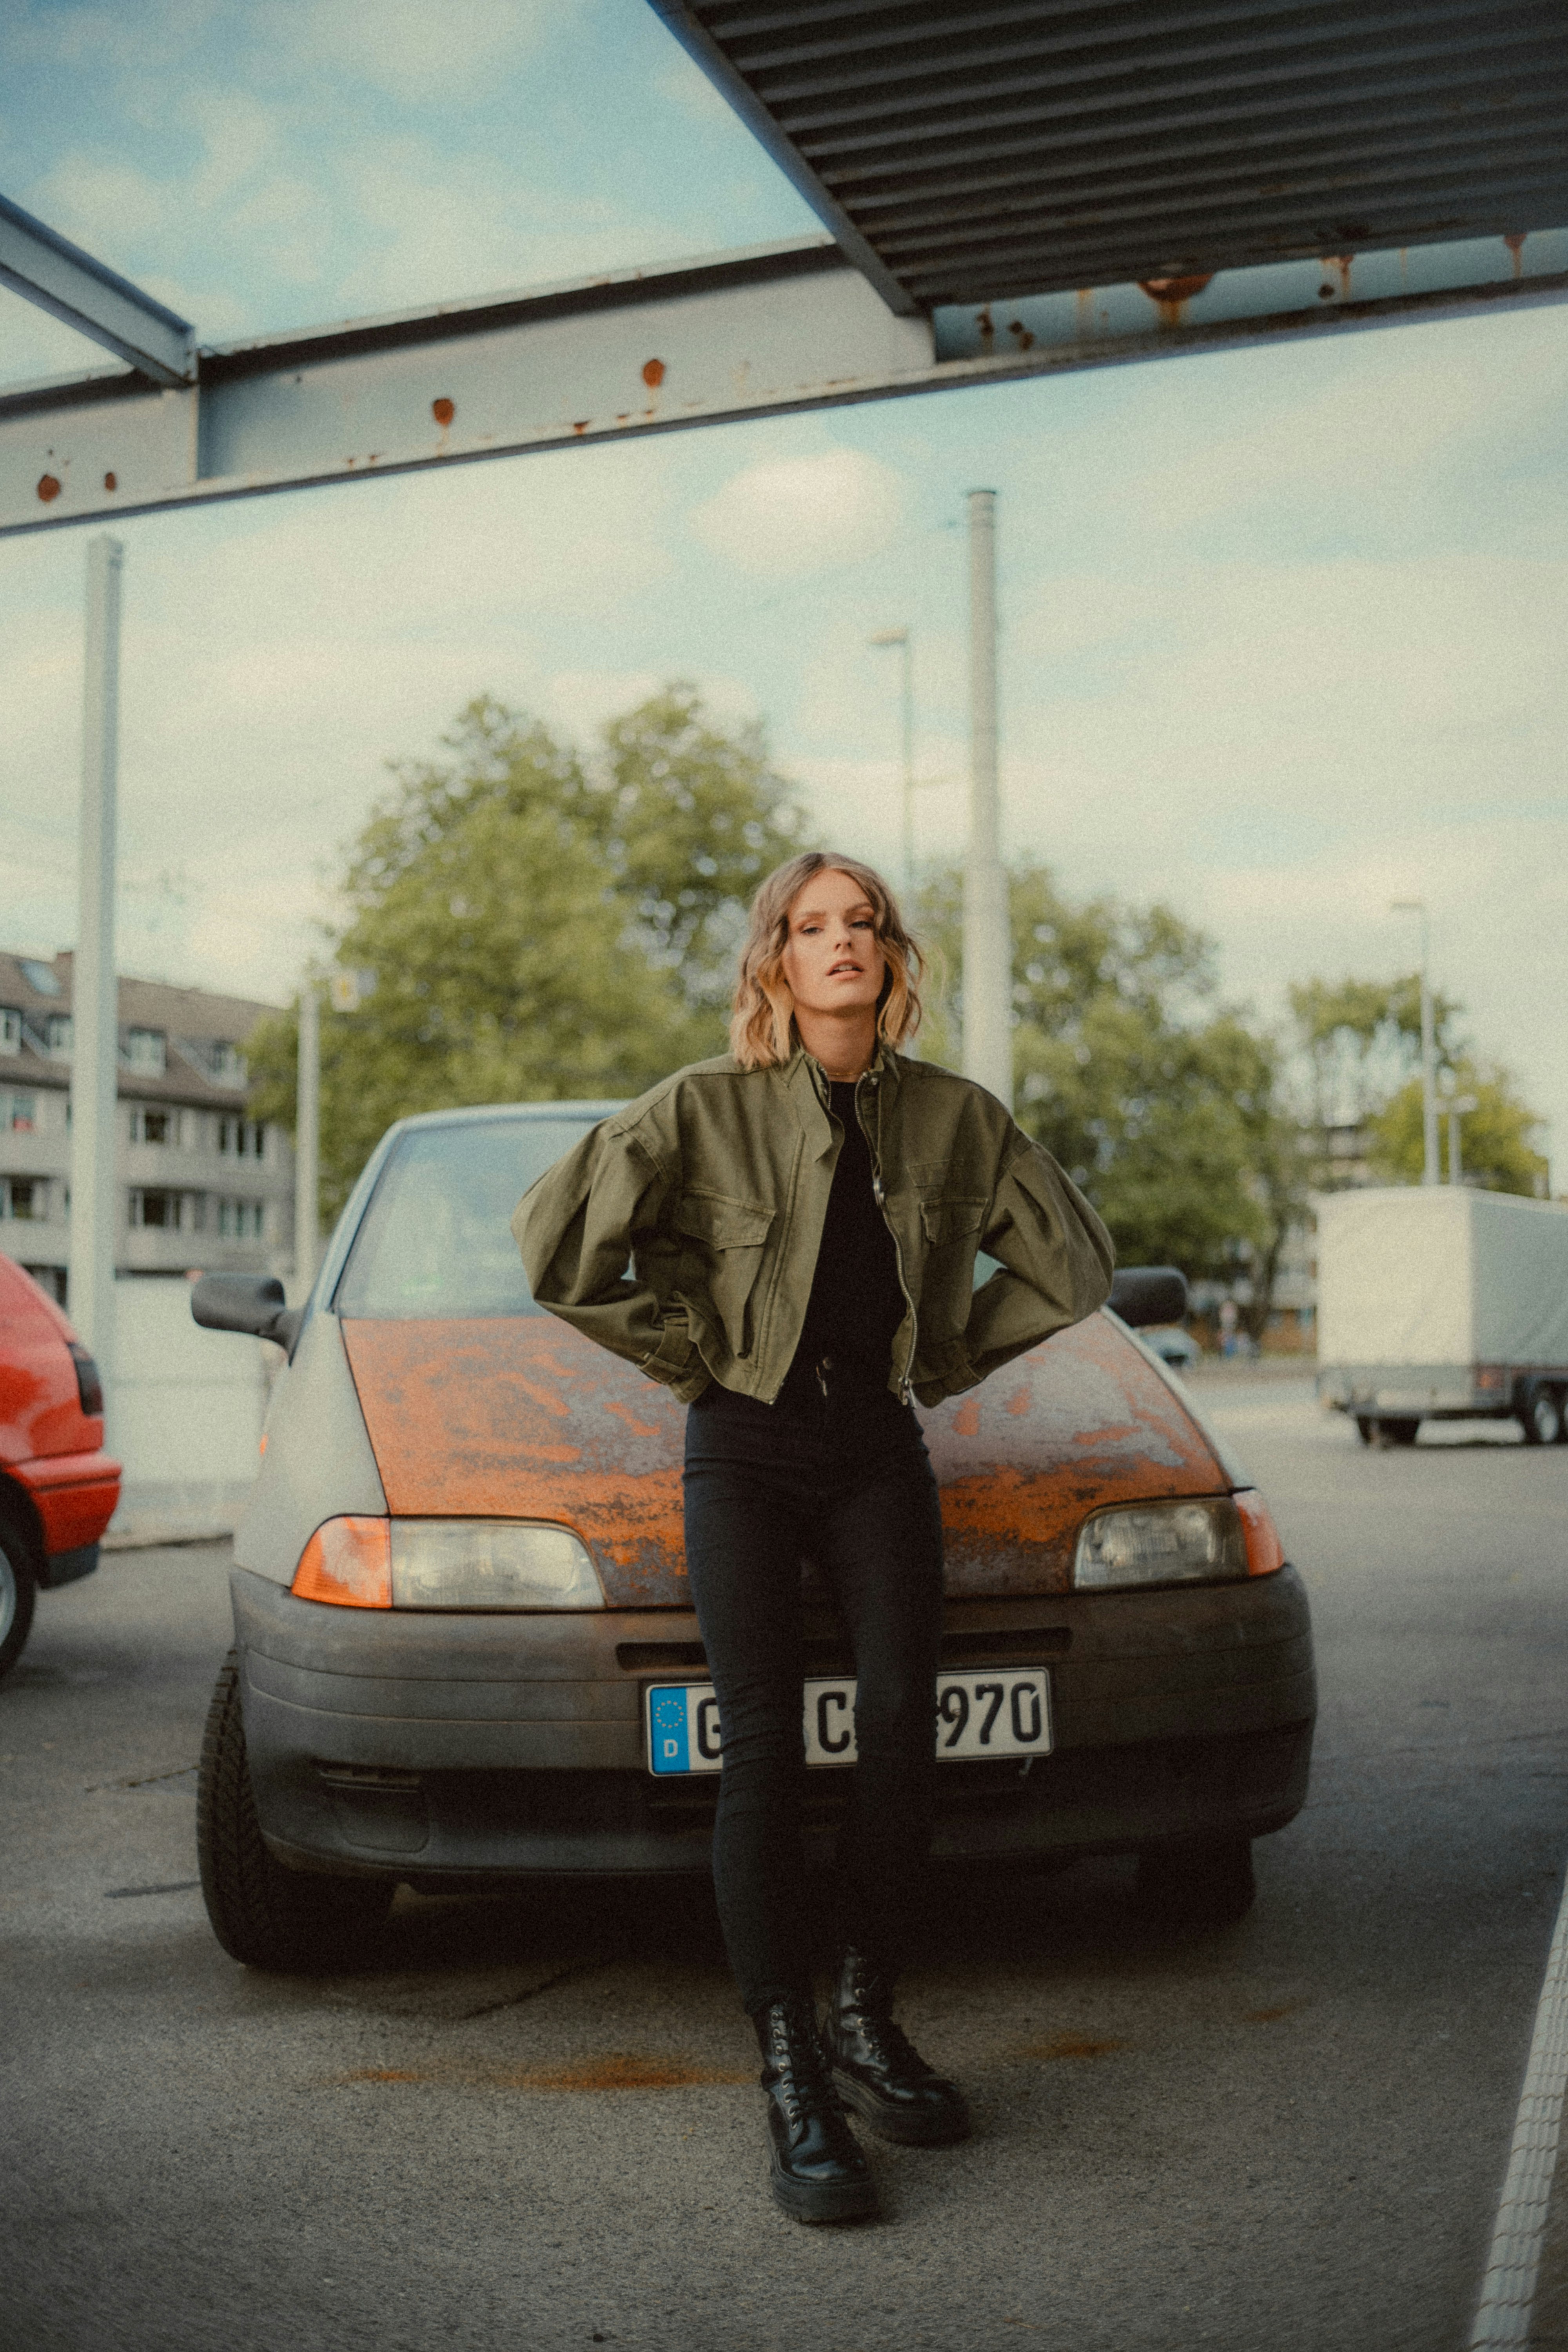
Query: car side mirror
x,y
245,1302
1144,1295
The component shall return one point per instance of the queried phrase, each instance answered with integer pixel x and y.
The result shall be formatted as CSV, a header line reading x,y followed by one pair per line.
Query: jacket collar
x,y
807,1083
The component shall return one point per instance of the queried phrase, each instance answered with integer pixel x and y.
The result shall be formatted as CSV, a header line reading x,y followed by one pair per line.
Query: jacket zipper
x,y
874,1145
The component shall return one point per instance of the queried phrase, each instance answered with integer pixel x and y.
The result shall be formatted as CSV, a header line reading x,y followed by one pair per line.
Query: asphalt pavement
x,y
534,2123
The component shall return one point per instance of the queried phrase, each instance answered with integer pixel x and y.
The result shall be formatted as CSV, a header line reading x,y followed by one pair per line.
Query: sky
x,y
1283,630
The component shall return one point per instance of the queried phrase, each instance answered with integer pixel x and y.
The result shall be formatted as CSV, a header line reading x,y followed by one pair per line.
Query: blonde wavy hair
x,y
761,1023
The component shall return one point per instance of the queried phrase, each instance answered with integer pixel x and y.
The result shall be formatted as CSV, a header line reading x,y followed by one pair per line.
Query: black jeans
x,y
848,1483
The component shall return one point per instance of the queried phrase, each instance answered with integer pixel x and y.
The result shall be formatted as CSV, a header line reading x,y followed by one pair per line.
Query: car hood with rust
x,y
523,1418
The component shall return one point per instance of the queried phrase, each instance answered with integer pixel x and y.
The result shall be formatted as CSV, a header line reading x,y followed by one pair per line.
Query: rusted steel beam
x,y
774,328
96,301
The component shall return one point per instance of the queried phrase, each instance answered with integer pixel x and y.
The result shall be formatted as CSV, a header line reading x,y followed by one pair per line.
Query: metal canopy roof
x,y
1126,182
970,151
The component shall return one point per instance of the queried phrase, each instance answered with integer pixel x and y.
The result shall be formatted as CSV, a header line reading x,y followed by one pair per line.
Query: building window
x,y
228,1063
148,1050
10,1029
165,1212
242,1138
26,1200
150,1126
240,1221
57,1036
19,1113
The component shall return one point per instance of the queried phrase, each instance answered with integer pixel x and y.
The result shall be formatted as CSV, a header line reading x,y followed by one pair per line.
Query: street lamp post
x,y
307,1142
1457,1106
904,639
987,934
1430,1171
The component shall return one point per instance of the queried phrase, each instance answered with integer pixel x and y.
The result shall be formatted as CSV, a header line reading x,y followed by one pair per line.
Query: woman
x,y
786,1237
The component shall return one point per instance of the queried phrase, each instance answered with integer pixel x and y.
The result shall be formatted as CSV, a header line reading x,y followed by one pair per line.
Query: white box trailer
x,y
1439,1303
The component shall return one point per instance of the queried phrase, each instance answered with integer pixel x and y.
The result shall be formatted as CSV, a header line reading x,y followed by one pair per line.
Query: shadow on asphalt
x,y
1085,1913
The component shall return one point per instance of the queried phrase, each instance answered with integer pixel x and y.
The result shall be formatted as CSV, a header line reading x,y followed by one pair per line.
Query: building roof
x,y
194,1021
972,150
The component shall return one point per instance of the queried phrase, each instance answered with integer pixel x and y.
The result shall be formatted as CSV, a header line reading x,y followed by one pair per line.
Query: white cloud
x,y
790,515
408,49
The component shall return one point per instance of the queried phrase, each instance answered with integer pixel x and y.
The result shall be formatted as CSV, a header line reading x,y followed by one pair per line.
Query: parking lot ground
x,y
534,2123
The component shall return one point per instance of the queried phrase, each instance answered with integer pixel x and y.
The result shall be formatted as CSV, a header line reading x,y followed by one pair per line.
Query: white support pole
x,y
1431,1173
987,932
308,1144
907,699
95,1030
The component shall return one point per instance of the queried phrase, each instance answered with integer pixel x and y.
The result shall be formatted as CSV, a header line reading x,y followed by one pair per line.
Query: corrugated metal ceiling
x,y
969,150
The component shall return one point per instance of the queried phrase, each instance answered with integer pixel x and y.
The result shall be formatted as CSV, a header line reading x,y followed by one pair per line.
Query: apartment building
x,y
202,1183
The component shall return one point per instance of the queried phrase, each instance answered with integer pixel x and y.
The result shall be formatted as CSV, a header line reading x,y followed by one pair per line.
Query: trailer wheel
x,y
1396,1433
1542,1416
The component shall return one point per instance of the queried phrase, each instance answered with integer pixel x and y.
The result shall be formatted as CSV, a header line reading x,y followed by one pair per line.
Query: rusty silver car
x,y
465,1650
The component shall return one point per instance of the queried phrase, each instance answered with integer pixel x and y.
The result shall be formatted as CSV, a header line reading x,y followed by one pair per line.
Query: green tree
x,y
1498,1138
693,819
527,939
1160,1101
1359,1042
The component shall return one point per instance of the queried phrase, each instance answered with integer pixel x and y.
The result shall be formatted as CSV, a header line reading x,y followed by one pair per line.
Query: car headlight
x,y
1179,1542
368,1563
489,1564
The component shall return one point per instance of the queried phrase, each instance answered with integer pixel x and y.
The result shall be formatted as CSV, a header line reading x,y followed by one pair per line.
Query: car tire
x,y
1395,1433
1197,1882
18,1591
262,1914
1541,1419
1366,1429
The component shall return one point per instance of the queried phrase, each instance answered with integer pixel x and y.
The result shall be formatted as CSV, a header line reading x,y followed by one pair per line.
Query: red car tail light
x,y
89,1383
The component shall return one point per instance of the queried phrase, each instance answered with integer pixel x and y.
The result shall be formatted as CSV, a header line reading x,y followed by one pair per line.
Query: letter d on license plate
x,y
990,1711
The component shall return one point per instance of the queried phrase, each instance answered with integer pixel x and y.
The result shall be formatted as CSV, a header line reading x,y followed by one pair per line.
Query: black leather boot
x,y
818,2173
877,2071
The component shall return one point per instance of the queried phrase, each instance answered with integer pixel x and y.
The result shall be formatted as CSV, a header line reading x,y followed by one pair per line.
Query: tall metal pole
x,y
907,681
307,1142
904,639
1431,1173
95,1030
987,932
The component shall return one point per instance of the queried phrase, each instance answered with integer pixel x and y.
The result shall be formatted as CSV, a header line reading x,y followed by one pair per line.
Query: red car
x,y
58,1487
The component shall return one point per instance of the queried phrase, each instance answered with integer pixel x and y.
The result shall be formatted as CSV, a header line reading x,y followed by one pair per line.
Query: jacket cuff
x,y
956,1375
673,1355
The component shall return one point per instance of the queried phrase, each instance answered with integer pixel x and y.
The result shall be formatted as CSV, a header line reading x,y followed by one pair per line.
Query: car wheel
x,y
18,1591
1366,1429
262,1914
1542,1417
1197,1882
1395,1433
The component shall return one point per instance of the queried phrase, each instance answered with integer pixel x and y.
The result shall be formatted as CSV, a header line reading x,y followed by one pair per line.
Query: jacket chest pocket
x,y
722,1245
950,1230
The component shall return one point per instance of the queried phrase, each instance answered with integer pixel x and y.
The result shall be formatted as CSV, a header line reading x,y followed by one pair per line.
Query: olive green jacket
x,y
683,1231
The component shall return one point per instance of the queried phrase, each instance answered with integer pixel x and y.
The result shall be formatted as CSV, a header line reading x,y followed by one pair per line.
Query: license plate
x,y
993,1711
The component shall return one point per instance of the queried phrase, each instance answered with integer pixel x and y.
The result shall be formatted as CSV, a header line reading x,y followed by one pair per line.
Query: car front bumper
x,y
440,1748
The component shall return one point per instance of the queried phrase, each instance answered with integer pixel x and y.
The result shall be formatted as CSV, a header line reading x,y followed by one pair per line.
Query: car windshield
x,y
436,1239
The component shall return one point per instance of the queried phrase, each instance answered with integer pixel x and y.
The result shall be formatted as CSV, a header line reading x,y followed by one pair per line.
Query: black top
x,y
856,1303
